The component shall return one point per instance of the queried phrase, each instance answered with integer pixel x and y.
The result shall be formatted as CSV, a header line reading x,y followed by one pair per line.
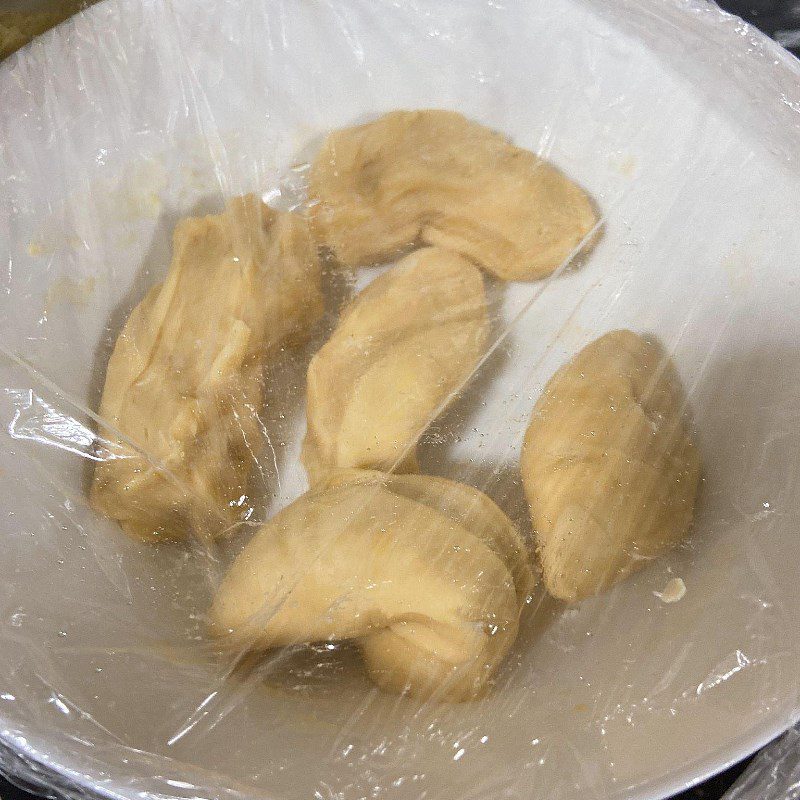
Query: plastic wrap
x,y
681,122
773,773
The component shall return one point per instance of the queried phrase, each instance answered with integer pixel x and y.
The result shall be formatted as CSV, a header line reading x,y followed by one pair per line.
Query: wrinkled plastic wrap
x,y
683,125
774,773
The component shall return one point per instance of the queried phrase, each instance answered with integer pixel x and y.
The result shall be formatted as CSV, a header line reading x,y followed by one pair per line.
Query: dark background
x,y
779,19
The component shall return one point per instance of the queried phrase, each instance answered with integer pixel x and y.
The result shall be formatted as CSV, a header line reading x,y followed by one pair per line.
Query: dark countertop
x,y
779,19
19,27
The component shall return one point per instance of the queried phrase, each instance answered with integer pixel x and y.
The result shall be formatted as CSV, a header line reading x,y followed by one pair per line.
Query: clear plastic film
x,y
680,122
773,773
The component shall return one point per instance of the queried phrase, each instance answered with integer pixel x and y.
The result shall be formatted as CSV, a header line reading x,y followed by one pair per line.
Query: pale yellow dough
x,y
437,177
428,576
609,467
403,346
183,386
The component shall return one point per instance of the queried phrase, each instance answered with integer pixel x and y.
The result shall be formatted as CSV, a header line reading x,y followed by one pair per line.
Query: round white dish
x,y
683,124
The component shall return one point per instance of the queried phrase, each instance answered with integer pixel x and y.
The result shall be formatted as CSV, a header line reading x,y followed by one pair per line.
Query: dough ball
x,y
609,468
436,177
401,349
428,576
183,386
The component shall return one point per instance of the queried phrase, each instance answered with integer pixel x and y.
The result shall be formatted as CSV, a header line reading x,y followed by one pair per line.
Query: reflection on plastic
x,y
38,421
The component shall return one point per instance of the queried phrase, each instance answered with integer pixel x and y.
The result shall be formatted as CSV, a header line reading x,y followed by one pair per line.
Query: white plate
x,y
683,124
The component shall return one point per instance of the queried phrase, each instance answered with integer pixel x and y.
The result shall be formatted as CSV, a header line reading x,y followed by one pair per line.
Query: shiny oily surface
x,y
679,122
